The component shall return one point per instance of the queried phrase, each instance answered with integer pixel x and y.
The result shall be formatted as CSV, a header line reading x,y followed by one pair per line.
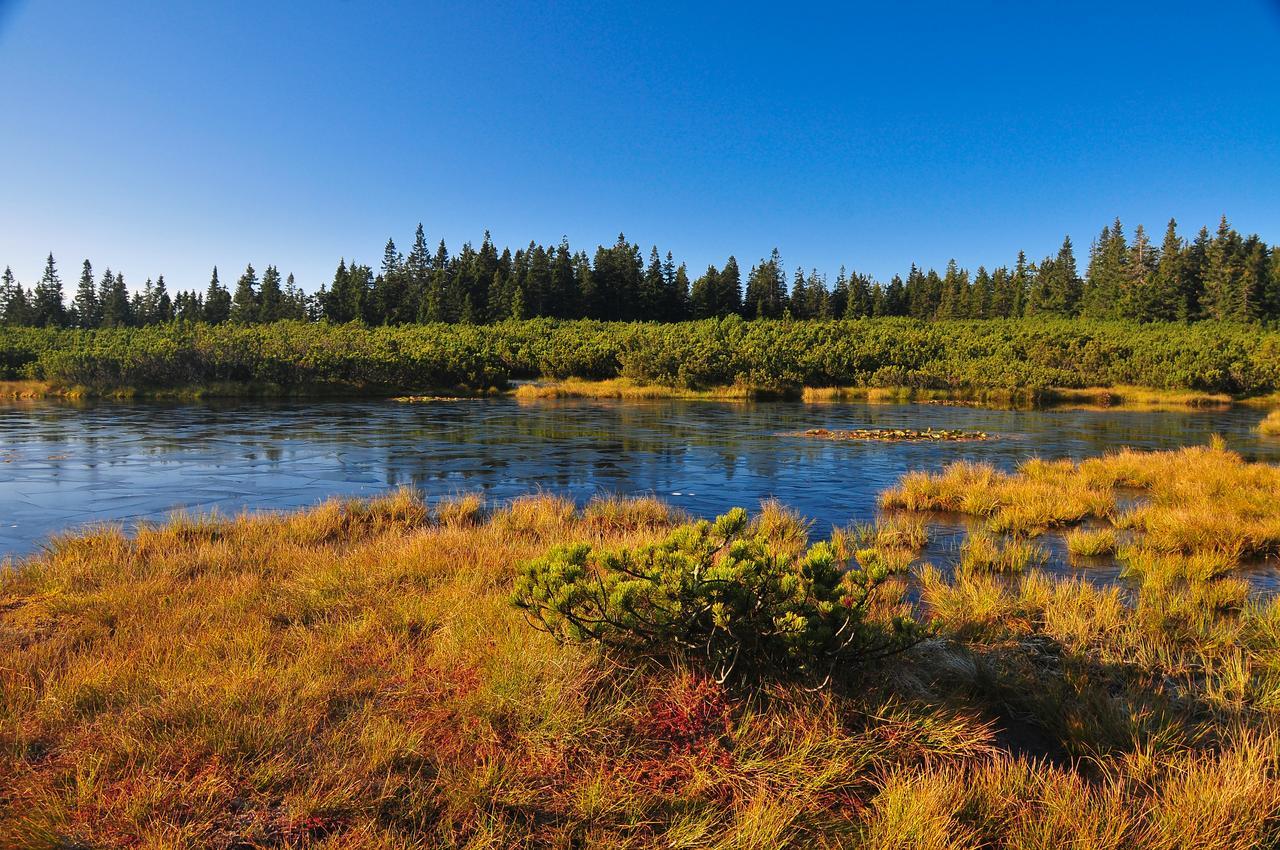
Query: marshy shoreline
x,y
1099,398
355,675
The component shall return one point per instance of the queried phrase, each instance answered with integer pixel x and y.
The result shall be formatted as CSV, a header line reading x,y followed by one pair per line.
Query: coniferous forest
x,y
1219,275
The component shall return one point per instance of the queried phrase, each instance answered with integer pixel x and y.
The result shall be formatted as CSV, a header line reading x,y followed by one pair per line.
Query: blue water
x,y
64,466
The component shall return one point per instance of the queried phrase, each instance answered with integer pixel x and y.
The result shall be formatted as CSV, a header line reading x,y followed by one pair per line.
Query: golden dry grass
x,y
625,388
353,676
18,390
983,552
1203,498
1121,396
1270,425
1135,398
1092,542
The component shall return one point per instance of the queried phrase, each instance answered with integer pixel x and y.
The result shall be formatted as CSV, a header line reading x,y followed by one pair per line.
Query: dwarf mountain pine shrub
x,y
723,594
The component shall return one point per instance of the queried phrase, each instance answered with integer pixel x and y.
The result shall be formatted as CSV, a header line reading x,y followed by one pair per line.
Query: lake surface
x,y
64,466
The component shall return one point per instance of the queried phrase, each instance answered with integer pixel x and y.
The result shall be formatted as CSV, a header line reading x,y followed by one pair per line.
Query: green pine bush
x,y
725,594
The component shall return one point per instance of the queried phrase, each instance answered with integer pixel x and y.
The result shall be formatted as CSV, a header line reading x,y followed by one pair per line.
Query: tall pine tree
x,y
88,312
217,301
244,302
47,308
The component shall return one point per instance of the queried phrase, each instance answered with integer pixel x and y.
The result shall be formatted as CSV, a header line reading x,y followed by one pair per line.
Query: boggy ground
x,y
1093,398
354,676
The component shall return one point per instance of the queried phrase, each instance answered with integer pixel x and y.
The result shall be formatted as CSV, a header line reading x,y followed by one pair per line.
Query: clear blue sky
x,y
162,138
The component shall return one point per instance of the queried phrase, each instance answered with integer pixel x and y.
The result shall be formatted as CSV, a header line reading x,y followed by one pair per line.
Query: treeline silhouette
x,y
1222,276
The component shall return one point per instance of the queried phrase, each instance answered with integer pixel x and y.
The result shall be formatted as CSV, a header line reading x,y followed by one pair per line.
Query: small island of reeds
x,y
893,435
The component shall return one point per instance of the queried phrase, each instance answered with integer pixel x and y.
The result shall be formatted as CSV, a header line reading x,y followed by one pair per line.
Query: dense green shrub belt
x,y
1018,353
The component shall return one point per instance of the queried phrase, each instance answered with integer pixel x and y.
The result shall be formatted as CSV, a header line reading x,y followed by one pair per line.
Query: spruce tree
x,y
675,291
517,304
1254,287
162,304
678,294
1057,289
106,285
799,295
537,282
1137,289
244,303
47,308
88,311
729,300
1169,299
766,296
955,293
705,293
931,287
188,306
817,298
342,301
144,305
917,296
981,295
860,300
1106,276
294,303
1069,287
895,298
1040,291
270,297
1222,273
13,302
1194,264
483,265
117,311
619,274
436,305
1020,285
359,291
563,299
1001,294
388,304
651,301
878,293
839,300
585,281
417,270
217,301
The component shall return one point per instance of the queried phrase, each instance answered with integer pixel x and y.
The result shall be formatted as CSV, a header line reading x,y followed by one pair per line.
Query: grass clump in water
x,y
1202,498
1091,542
1270,425
983,552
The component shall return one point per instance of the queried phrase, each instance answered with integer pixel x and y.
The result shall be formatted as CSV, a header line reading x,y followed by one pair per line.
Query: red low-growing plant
x,y
689,710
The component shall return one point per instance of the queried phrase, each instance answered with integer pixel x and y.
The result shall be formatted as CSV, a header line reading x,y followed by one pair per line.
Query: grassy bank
x,y
625,388
1120,397
354,676
19,390
1006,362
1130,398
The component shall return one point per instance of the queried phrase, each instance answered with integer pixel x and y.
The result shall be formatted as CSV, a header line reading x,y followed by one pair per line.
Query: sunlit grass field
x,y
354,676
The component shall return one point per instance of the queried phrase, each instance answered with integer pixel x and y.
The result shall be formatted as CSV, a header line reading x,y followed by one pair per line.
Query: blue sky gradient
x,y
163,138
